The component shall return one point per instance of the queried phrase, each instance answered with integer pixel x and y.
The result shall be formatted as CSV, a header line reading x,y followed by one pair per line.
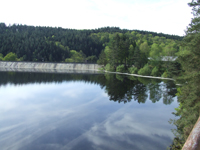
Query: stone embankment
x,y
48,67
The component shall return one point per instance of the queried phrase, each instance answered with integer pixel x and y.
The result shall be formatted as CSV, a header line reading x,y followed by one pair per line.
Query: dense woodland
x,y
54,44
111,46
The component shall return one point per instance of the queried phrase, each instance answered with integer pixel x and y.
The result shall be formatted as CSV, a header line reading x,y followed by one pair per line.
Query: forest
x,y
54,44
111,47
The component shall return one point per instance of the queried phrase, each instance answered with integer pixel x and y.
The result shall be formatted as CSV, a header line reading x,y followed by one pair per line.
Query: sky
x,y
161,16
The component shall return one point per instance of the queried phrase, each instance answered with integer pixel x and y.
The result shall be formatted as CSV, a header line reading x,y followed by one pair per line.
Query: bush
x,y
133,70
101,69
120,68
69,60
10,57
155,72
108,67
145,70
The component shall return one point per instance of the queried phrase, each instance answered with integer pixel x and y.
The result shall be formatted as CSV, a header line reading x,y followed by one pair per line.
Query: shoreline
x,y
152,77
47,65
51,67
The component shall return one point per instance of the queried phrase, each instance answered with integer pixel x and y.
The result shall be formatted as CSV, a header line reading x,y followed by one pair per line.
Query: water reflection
x,y
120,88
60,111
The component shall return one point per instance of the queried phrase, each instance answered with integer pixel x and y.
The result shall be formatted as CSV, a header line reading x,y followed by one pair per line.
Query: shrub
x,y
120,68
108,67
10,57
133,70
69,60
145,70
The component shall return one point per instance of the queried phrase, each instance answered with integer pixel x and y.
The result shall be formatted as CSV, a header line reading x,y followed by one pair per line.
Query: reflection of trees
x,y
26,78
139,93
158,90
120,88
155,92
169,92
123,89
166,91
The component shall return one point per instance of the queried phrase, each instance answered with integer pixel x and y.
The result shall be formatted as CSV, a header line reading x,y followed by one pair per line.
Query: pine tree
x,y
190,55
189,93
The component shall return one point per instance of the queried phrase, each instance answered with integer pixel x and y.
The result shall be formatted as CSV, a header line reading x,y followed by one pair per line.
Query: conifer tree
x,y
189,93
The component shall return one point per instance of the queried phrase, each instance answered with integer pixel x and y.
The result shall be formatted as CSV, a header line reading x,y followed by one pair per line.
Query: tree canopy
x,y
54,44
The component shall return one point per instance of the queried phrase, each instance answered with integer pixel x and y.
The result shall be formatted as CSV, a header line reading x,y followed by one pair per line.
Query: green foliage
x,y
109,67
131,54
188,93
144,47
76,56
155,51
155,72
10,57
178,92
117,49
102,58
178,109
91,59
120,68
137,57
133,70
164,75
69,60
101,69
53,44
20,59
170,49
145,70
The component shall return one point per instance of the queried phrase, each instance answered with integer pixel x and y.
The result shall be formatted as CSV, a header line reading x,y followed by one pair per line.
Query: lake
x,y
47,111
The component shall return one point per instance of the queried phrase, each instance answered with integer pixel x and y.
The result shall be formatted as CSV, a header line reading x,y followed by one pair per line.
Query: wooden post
x,y
193,141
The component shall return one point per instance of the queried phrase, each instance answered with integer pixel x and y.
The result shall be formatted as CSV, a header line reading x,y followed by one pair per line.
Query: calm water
x,y
84,112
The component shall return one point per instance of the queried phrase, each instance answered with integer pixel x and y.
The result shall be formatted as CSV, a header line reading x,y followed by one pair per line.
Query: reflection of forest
x,y
120,88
